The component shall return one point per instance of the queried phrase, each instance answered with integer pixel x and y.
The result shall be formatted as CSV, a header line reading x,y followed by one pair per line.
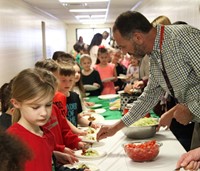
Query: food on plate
x,y
91,130
141,152
90,152
91,110
82,166
89,137
115,105
91,118
145,122
114,108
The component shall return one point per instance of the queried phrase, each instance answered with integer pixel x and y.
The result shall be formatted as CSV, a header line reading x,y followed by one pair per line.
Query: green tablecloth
x,y
109,114
112,114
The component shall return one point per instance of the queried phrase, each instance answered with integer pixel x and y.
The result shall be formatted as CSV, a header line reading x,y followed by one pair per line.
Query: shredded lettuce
x,y
145,122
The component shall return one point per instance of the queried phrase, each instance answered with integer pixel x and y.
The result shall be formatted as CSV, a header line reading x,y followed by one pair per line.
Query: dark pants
x,y
183,133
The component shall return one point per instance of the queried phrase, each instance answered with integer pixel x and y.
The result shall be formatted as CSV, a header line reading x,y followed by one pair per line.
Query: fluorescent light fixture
x,y
98,16
82,1
87,10
89,21
92,23
82,16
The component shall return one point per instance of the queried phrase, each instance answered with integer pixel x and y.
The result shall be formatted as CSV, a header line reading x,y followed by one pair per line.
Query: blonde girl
x,y
32,94
90,76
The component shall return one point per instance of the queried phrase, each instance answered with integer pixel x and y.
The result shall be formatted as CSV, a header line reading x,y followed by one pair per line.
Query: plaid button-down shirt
x,y
181,56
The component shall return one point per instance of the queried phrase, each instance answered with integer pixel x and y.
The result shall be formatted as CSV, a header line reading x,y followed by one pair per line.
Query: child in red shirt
x,y
33,103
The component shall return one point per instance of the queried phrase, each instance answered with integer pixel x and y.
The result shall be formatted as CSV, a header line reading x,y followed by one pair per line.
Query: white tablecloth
x,y
116,159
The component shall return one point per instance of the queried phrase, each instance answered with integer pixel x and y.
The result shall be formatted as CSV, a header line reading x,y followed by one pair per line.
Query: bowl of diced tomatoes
x,y
142,151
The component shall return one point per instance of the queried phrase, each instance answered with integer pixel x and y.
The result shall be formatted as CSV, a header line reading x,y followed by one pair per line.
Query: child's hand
x,y
82,133
95,126
65,158
83,145
96,84
68,151
89,104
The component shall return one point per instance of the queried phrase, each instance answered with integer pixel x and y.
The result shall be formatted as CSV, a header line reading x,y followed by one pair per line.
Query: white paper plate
x,y
120,92
92,166
87,139
99,111
101,154
90,87
97,118
87,94
108,79
108,96
122,77
114,108
95,106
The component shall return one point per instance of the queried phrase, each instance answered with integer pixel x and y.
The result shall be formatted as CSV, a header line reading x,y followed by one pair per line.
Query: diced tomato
x,y
142,152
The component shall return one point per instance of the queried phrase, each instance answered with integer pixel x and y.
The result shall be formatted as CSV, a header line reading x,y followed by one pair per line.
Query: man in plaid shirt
x,y
180,51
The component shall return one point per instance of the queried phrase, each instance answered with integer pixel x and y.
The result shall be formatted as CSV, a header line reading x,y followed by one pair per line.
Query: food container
x,y
142,151
141,132
126,98
127,108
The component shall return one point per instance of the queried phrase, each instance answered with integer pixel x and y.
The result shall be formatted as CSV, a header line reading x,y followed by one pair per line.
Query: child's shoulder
x,y
73,94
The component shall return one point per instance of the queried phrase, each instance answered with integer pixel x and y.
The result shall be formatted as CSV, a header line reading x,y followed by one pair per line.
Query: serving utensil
x,y
178,169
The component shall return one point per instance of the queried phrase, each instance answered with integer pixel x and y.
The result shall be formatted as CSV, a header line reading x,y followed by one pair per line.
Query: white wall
x,y
21,37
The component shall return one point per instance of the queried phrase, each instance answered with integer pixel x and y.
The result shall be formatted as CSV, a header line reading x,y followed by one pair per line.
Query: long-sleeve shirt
x,y
58,125
41,147
180,52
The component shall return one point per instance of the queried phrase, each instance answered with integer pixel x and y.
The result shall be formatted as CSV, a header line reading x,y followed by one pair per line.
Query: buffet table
x,y
110,114
116,159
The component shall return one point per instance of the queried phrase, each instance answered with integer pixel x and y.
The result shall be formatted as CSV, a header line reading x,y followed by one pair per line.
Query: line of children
x,y
32,129
70,140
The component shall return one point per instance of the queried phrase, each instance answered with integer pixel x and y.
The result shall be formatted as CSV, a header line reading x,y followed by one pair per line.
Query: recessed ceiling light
x,y
87,10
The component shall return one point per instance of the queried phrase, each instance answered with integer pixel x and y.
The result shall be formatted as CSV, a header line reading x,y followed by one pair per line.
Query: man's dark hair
x,y
179,22
130,22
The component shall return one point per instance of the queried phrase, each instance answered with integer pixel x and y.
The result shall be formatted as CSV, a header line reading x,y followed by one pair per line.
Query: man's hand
x,y
182,114
166,118
104,132
109,130
190,160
